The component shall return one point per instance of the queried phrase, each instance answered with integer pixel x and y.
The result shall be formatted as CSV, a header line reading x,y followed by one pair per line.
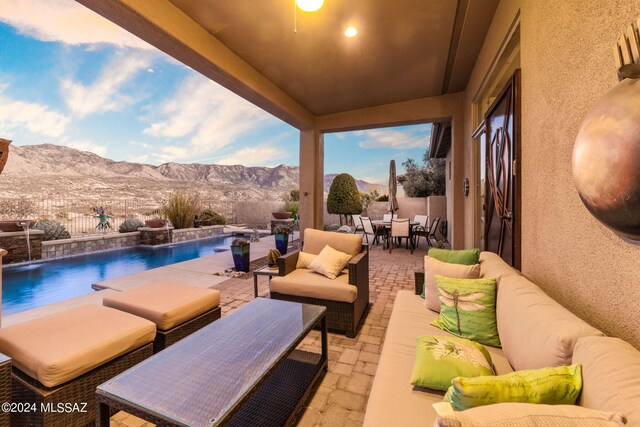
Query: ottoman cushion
x,y
165,304
58,348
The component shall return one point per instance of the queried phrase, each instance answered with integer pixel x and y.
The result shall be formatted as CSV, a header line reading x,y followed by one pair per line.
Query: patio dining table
x,y
387,224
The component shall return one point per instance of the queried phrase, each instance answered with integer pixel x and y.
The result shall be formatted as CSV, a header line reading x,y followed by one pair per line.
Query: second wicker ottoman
x,y
177,310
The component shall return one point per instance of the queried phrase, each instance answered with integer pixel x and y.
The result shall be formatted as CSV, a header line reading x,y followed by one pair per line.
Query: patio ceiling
x,y
405,49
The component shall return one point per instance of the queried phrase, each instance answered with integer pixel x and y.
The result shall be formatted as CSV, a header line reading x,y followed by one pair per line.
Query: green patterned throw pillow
x,y
468,309
463,256
441,359
552,386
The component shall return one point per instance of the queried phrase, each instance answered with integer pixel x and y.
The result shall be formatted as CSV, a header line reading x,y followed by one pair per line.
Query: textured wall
x,y
567,64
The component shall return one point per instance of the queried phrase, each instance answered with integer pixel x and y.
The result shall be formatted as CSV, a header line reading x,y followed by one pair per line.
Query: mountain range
x,y
49,171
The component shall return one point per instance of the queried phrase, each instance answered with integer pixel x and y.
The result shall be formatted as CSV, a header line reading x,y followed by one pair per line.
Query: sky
x,y
70,77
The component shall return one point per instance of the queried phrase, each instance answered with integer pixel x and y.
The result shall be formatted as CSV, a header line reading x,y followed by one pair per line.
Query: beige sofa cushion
x,y
535,331
434,266
58,348
492,266
316,240
610,376
393,400
306,283
525,415
165,304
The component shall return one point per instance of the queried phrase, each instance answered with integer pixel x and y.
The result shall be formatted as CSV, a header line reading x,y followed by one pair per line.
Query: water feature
x,y
166,224
25,226
41,283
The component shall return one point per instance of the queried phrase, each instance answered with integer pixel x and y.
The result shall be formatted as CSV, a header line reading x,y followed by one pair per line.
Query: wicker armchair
x,y
307,287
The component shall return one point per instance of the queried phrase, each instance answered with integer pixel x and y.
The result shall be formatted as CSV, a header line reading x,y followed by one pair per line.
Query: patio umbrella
x,y
393,201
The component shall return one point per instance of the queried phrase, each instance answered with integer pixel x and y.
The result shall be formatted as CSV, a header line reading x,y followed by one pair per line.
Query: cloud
x,y
85,145
396,139
209,116
263,155
104,93
33,117
144,145
65,21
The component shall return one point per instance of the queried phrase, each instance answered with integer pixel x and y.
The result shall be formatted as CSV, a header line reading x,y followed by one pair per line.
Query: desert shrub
x,y
53,230
16,209
130,224
210,217
344,197
181,208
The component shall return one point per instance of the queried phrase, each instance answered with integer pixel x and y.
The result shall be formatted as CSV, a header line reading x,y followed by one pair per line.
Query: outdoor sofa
x,y
346,297
535,332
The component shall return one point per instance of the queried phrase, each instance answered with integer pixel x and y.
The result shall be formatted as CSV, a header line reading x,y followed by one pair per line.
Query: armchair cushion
x,y
330,262
306,283
316,240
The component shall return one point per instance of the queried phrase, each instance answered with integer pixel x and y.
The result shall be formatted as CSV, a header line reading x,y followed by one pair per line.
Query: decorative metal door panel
x,y
502,223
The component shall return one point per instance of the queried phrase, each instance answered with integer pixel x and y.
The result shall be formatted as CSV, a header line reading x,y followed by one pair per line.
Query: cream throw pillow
x,y
304,259
525,415
432,267
330,262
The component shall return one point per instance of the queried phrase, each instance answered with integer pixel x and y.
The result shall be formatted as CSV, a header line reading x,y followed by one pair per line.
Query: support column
x,y
456,212
311,179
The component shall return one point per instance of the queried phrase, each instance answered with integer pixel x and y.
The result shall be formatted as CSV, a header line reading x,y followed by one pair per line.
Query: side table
x,y
264,271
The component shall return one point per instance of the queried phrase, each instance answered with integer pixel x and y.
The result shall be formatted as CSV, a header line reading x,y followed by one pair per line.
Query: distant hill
x,y
364,186
48,170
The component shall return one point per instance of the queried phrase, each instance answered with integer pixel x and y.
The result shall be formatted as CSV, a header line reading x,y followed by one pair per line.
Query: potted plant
x,y
282,237
240,253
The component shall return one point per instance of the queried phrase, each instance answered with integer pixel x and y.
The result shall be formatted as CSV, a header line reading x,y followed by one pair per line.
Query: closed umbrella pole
x,y
393,189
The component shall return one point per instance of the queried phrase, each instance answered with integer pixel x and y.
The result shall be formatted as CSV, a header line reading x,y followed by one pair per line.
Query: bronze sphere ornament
x,y
606,159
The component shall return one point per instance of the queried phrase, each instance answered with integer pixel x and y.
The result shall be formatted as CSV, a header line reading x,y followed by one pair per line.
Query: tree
x,y
344,197
428,180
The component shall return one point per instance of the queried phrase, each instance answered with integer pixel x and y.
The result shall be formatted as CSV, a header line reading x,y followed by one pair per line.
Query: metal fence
x,y
81,218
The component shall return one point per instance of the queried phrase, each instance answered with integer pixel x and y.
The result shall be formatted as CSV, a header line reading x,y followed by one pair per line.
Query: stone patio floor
x,y
340,399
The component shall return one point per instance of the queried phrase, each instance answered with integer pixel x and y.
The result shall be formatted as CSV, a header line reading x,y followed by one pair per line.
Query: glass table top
x,y
200,380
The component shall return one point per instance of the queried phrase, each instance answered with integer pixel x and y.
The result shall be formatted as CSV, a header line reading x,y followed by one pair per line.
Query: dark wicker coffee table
x,y
241,370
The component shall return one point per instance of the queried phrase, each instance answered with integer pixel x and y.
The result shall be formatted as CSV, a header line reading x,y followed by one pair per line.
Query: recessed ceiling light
x,y
309,5
350,32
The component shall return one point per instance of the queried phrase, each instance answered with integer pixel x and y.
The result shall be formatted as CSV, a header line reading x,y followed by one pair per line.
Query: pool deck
x,y
200,272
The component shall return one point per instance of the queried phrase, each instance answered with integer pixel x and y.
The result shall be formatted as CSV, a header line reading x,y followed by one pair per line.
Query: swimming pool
x,y
30,286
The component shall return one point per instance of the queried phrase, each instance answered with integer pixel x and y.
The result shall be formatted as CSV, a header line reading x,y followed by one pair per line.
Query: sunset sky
x,y
71,77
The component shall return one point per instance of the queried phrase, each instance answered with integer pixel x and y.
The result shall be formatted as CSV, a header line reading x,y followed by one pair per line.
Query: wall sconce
x,y
305,193
465,187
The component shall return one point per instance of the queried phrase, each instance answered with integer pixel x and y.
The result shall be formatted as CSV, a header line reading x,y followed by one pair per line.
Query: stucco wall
x,y
567,64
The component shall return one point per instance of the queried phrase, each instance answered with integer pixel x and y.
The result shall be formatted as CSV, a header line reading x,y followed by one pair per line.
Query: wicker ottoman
x,y
59,360
5,388
177,310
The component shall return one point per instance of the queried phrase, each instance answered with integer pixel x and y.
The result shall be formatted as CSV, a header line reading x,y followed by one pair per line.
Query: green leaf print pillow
x,y
440,359
468,309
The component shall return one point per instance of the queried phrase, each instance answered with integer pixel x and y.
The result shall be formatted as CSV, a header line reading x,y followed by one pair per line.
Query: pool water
x,y
30,286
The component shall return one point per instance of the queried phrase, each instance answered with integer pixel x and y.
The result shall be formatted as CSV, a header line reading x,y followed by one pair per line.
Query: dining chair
x,y
369,229
428,233
400,229
388,217
422,220
357,223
